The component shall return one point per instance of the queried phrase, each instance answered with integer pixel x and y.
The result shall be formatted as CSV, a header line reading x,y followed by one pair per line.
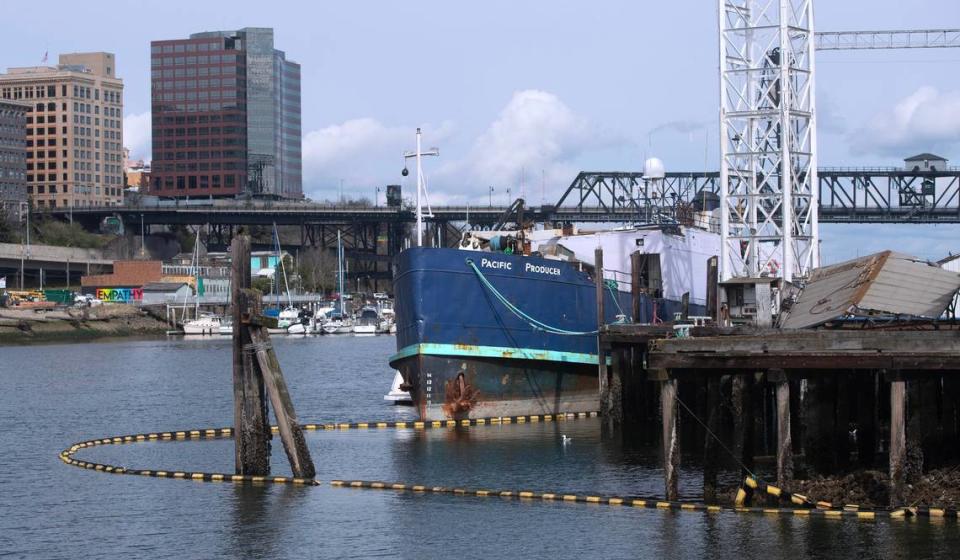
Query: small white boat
x,y
396,394
367,321
304,327
364,329
338,327
226,328
298,328
206,323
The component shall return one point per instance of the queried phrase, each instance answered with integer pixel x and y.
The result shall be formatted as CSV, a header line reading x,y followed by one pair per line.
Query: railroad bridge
x,y
376,233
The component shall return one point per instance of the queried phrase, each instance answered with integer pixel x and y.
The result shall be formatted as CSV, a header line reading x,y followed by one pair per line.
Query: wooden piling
x,y
867,407
250,420
710,447
784,436
671,439
741,396
602,373
635,273
713,289
898,438
614,411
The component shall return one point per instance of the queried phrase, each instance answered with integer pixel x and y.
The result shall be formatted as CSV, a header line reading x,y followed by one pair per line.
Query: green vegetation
x,y
262,284
62,234
9,229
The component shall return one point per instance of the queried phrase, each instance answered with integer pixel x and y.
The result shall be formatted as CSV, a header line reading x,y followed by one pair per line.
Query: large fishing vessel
x,y
506,326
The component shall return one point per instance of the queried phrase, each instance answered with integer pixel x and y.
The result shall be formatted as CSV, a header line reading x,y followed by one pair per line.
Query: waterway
x,y
53,395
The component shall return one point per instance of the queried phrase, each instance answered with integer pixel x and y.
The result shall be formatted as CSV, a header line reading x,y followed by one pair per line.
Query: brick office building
x,y
226,116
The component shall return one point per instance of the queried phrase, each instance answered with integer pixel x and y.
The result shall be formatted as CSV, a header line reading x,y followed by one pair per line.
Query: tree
x,y
261,283
318,269
9,230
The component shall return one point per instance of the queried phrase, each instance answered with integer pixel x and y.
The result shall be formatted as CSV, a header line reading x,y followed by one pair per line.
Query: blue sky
x,y
538,89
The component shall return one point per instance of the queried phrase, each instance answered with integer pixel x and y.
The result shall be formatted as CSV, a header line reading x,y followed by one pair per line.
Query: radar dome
x,y
653,169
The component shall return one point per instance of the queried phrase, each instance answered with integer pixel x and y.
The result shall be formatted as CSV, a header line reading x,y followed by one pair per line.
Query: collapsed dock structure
x,y
858,369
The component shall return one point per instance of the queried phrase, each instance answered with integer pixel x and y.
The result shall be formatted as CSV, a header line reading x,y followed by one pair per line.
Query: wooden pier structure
x,y
818,401
822,394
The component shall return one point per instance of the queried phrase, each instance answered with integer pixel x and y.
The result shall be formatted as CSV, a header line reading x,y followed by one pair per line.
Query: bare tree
x,y
318,269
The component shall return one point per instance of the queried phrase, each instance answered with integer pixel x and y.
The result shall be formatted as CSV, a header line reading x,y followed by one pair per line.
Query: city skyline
x,y
517,91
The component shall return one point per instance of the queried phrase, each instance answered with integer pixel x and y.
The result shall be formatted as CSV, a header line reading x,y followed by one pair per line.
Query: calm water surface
x,y
54,395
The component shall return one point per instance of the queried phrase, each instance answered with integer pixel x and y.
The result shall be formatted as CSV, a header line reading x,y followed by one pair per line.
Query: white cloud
x,y
925,120
360,153
137,135
535,135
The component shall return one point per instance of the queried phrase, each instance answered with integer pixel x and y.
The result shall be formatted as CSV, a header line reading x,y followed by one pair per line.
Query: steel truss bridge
x,y
847,195
373,235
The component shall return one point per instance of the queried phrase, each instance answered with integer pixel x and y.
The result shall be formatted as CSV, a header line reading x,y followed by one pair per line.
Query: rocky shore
x,y
871,489
27,326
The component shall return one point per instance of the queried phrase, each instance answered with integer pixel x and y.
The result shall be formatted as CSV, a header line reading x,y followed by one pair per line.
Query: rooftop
x,y
925,157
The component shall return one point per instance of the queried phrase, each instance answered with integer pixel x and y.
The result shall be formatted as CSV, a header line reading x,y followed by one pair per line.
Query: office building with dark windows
x,y
226,117
74,130
13,157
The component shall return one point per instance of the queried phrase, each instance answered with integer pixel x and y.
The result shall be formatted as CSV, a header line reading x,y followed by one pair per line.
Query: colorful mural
x,y
119,295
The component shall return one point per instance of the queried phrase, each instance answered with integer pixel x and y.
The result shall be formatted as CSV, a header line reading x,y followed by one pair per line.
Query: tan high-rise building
x,y
74,130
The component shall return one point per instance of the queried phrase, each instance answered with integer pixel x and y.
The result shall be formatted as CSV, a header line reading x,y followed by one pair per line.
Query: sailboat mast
x,y
340,272
286,286
196,275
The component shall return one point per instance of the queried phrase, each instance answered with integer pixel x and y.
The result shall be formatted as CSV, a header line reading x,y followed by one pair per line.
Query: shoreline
x,y
25,327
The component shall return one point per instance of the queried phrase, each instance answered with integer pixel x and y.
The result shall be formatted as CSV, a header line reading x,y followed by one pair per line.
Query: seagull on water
x,y
564,439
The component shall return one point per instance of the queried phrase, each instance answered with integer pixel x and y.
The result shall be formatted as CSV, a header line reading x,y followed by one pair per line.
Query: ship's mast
x,y
421,186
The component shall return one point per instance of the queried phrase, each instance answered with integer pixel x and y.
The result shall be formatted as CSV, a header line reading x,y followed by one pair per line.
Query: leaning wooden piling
x,y
291,434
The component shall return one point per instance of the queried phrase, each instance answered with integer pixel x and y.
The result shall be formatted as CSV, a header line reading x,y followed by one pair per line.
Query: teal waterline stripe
x,y
435,349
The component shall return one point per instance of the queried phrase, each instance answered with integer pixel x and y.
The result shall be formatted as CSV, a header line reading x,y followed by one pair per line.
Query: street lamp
x,y
491,197
376,197
418,154
508,197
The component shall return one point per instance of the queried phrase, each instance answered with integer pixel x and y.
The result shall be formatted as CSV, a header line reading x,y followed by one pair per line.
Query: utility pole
x,y
491,197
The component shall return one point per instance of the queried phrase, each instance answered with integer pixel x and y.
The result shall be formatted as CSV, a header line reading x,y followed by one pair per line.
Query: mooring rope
x,y
750,485
534,323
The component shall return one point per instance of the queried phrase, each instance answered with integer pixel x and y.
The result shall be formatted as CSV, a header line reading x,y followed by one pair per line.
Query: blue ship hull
x,y
464,354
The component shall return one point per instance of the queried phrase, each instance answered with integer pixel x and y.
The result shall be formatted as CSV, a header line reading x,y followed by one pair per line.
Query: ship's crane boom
x,y
895,39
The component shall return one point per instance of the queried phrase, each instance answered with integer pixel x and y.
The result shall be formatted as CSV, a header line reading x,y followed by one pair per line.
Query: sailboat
x,y
289,315
340,322
204,323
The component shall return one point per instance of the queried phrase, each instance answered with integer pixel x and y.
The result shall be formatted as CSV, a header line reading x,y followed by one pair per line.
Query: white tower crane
x,y
768,170
768,137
